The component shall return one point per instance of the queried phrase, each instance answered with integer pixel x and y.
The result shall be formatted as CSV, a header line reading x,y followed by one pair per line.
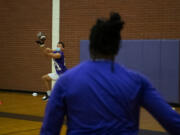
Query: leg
x,y
47,82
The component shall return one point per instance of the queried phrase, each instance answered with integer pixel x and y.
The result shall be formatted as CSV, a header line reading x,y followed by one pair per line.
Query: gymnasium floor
x,y
22,114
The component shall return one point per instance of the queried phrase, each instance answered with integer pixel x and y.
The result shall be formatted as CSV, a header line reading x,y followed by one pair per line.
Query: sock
x,y
49,92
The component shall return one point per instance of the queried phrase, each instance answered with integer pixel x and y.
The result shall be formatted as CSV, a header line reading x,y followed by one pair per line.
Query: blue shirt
x,y
59,63
98,101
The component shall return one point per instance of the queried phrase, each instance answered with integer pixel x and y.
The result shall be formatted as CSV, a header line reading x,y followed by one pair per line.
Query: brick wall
x,y
21,64
152,19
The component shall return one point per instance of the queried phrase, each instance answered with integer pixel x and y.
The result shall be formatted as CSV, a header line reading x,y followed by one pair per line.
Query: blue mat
x,y
157,59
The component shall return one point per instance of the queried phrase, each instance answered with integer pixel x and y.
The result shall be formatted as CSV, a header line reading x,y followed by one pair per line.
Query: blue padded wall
x,y
157,59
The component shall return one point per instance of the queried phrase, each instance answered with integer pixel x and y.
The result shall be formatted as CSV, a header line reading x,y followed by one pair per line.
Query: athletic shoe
x,y
45,97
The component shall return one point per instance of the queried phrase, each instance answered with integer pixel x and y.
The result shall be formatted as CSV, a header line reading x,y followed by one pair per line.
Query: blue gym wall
x,y
157,59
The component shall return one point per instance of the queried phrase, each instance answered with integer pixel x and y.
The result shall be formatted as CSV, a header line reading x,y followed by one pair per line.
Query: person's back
x,y
100,97
100,101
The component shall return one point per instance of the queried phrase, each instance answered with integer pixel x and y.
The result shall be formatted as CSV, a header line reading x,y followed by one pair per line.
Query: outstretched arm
x,y
49,53
157,106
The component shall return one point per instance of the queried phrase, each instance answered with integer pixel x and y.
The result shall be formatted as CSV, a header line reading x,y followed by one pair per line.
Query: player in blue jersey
x,y
101,97
59,64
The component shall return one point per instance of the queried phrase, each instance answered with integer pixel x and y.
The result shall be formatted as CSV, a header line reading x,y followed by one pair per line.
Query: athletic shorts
x,y
53,76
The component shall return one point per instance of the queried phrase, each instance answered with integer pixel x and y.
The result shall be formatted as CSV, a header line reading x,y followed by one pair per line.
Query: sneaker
x,y
45,97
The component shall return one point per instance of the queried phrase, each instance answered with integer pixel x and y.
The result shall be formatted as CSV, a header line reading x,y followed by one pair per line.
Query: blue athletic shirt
x,y
59,63
98,101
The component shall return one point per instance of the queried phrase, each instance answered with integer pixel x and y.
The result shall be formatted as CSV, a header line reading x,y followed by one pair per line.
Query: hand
x,y
39,42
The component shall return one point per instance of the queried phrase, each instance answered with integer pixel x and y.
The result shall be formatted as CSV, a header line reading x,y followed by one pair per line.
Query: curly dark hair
x,y
105,37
